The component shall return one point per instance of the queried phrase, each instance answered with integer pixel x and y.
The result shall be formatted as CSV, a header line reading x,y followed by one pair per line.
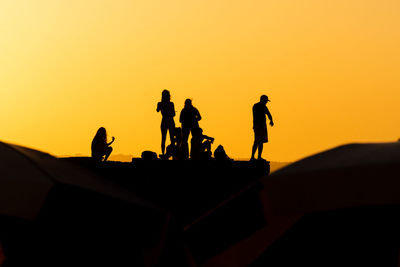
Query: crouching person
x,y
101,150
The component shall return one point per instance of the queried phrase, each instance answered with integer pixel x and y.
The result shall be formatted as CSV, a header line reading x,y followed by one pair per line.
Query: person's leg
x,y
185,144
185,134
163,137
169,151
207,146
184,150
175,152
108,152
260,149
171,130
255,143
253,150
97,157
207,150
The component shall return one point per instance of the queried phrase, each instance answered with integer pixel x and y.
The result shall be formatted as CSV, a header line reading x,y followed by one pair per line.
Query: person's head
x,y
188,102
165,96
264,99
101,133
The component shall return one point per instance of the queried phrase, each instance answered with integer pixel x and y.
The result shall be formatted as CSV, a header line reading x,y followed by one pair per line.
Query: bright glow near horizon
x,y
330,68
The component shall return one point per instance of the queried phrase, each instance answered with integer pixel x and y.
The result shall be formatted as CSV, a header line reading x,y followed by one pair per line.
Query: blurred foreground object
x,y
347,200
53,212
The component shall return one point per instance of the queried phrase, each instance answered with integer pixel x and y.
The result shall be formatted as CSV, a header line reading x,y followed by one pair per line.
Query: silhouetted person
x,y
220,154
100,147
168,113
179,152
260,125
174,149
200,145
189,118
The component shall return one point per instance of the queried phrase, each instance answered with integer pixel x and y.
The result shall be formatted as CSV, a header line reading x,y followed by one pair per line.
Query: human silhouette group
x,y
200,144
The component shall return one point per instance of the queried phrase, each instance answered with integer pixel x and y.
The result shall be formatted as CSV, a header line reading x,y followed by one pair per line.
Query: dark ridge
x,y
215,202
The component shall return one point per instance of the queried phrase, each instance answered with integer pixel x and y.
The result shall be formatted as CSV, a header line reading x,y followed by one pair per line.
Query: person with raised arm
x,y
100,147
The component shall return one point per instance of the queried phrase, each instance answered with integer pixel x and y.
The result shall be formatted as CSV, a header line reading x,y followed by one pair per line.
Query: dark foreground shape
x,y
366,236
215,204
348,201
54,213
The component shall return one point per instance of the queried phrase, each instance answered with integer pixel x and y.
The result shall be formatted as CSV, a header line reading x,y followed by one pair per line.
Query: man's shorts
x,y
260,135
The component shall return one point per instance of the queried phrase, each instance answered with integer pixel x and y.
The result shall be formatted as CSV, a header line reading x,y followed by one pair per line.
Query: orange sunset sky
x,y
330,68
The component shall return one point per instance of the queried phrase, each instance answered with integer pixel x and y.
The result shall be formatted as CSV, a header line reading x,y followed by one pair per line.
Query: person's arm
x,y
173,110
112,141
158,106
271,122
180,117
198,117
208,138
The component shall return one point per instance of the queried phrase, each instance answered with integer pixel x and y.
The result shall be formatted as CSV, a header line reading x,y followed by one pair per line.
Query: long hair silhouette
x,y
101,134
168,113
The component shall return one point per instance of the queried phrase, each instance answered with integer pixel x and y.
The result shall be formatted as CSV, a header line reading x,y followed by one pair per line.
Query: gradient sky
x,y
330,68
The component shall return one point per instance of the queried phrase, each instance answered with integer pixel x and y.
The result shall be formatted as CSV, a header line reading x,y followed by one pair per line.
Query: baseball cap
x,y
264,97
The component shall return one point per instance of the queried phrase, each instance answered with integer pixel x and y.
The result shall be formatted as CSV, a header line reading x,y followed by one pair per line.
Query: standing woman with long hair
x,y
168,113
100,147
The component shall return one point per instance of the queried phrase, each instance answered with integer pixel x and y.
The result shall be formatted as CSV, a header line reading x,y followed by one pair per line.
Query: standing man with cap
x,y
260,125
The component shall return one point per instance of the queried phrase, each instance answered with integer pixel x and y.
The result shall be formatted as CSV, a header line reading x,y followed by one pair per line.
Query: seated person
x,y
220,154
200,145
174,150
100,147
